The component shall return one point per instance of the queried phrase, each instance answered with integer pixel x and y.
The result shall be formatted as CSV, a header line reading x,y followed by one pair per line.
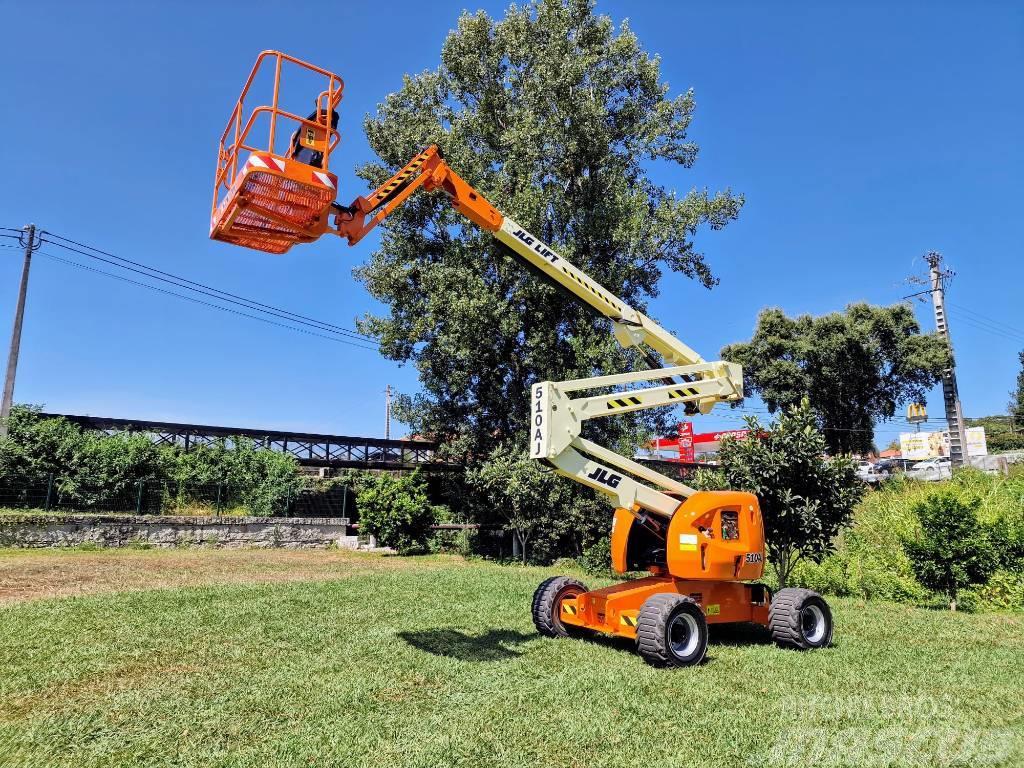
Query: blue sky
x,y
863,135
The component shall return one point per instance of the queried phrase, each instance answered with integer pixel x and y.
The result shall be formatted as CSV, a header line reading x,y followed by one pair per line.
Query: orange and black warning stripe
x,y
401,178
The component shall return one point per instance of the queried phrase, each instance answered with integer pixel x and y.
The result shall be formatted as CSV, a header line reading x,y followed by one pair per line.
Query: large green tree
x,y
855,367
556,117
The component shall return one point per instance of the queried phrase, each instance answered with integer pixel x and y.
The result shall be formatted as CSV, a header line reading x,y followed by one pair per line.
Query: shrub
x,y
550,516
396,510
805,497
870,560
264,481
1004,591
953,550
597,558
99,471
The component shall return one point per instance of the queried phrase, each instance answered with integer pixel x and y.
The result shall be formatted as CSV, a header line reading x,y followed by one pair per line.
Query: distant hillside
x,y
999,433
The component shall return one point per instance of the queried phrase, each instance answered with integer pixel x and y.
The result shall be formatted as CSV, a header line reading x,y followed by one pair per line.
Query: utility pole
x,y
31,243
387,412
950,394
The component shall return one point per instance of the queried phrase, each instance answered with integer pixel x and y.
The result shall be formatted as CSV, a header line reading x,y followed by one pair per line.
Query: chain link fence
x,y
162,497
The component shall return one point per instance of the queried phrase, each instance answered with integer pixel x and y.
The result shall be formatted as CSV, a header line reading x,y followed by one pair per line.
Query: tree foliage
x,y
953,549
1016,406
855,367
555,116
549,515
805,497
397,510
93,470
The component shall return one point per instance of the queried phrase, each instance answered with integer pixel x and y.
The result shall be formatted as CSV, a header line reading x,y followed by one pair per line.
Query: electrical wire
x,y
140,284
201,288
985,326
987,319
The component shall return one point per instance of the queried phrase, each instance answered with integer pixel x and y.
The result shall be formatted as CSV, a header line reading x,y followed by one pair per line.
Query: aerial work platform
x,y
700,547
267,196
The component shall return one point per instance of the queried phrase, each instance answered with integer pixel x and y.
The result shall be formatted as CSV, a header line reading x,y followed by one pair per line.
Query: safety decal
x,y
569,608
623,402
629,621
675,394
713,610
687,542
266,161
403,176
323,177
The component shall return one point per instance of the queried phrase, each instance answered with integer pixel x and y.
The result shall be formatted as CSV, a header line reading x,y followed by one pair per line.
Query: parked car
x,y
895,465
931,470
871,473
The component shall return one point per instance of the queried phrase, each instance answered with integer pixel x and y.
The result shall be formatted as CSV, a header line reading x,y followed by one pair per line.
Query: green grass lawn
x,y
437,664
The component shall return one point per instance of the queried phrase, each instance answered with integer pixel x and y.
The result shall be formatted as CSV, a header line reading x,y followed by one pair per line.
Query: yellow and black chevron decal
x,y
675,394
569,608
591,288
623,402
401,178
629,621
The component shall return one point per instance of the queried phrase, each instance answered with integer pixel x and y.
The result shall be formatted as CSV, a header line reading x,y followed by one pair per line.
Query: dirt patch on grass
x,y
41,574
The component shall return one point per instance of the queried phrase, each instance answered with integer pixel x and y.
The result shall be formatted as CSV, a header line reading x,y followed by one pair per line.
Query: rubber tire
x,y
547,601
653,625
785,619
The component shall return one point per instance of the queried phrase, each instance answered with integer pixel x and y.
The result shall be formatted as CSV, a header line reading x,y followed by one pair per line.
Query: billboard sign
x,y
918,446
976,443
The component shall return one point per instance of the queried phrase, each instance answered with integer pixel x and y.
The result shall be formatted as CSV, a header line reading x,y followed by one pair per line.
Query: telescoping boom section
x,y
556,417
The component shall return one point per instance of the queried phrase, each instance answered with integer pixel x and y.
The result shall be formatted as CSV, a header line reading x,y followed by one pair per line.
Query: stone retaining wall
x,y
168,531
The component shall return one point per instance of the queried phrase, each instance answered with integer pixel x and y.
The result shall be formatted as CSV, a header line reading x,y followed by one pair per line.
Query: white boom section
x,y
631,327
557,419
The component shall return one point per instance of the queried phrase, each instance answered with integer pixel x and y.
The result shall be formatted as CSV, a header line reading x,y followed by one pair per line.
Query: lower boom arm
x,y
557,419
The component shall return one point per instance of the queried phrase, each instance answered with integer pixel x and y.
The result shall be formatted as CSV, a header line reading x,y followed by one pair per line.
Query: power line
x,y
988,319
122,278
201,288
986,326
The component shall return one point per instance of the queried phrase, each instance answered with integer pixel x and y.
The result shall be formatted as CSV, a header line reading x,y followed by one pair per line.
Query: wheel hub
x,y
812,622
683,635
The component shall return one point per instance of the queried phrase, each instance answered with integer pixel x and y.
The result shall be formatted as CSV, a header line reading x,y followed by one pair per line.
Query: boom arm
x,y
557,418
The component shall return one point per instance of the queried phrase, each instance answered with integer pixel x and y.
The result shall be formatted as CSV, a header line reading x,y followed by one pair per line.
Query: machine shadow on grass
x,y
494,645
502,644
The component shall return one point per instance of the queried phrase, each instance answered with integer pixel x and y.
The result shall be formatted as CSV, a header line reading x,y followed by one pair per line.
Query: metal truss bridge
x,y
311,450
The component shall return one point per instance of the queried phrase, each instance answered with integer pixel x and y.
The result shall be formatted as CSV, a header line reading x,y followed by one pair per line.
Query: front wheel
x,y
671,631
799,618
547,607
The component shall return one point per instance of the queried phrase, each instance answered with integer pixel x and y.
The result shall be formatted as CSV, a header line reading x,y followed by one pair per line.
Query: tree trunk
x,y
781,564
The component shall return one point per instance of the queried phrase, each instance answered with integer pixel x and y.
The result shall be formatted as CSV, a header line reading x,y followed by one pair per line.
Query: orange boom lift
x,y
704,550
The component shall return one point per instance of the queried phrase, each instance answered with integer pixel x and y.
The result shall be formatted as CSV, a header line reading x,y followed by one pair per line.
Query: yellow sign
x,y
916,412
713,610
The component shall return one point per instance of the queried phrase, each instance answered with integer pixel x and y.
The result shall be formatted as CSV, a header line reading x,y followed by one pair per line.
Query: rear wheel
x,y
800,618
671,631
547,606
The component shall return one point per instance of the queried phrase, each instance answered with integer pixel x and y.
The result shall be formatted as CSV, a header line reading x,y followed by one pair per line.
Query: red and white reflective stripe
x,y
327,180
266,161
